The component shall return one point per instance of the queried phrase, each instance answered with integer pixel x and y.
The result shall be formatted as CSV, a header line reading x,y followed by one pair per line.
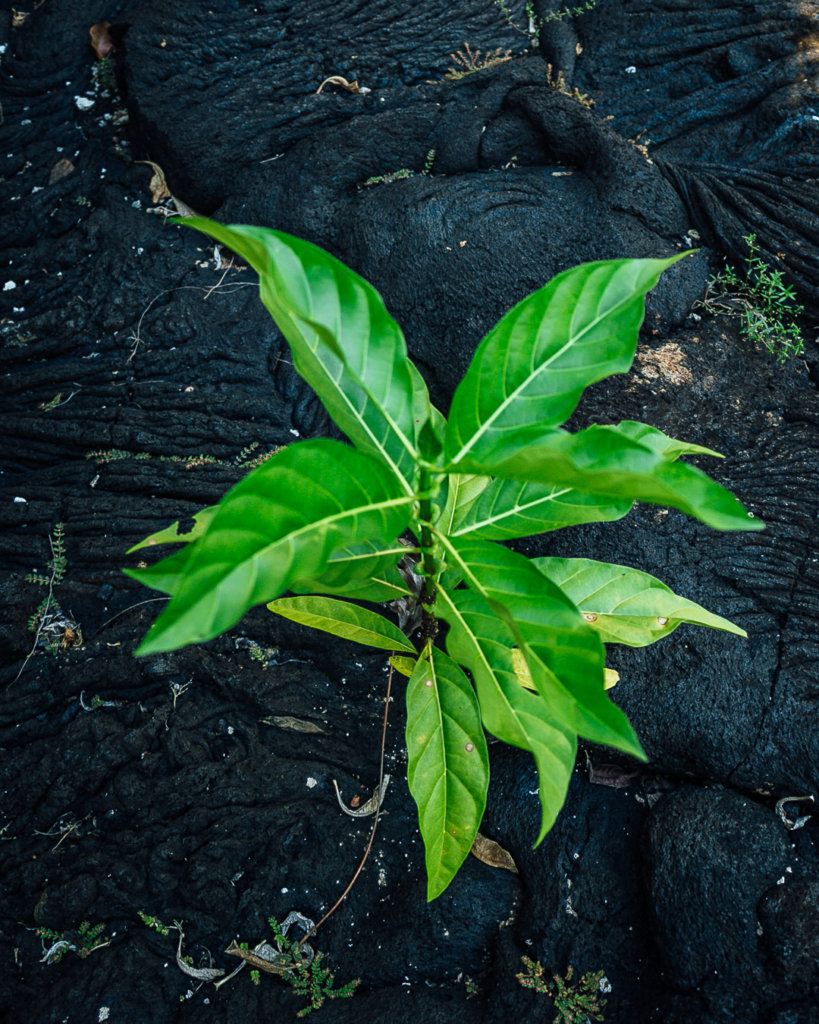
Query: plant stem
x,y
430,568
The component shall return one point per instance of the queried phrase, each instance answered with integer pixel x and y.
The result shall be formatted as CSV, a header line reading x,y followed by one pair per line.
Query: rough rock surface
x,y
138,367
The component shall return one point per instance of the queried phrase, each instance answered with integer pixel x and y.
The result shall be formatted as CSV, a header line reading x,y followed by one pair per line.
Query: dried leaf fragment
x,y
18,18
293,724
371,806
489,852
792,825
200,973
100,39
612,775
60,170
349,86
158,185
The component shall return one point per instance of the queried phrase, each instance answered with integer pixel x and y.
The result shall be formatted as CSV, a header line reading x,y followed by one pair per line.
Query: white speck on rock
x,y
631,70
311,782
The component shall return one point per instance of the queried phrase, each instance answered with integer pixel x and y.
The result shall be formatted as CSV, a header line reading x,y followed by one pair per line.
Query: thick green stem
x,y
430,568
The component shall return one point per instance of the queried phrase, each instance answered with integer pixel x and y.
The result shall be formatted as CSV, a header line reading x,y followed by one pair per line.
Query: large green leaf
x,y
172,535
448,767
608,462
510,508
565,655
344,342
367,572
166,575
344,620
480,640
530,370
503,509
624,605
285,520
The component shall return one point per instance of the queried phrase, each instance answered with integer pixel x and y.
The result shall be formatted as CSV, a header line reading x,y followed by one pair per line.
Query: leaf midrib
x,y
572,340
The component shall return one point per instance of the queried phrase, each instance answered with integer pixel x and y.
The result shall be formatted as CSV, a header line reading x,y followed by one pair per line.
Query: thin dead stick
x,y
136,337
130,608
228,268
358,870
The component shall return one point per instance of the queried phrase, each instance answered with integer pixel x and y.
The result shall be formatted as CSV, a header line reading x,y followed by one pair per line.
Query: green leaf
x,y
285,520
344,620
406,666
367,572
669,447
344,342
504,509
167,574
606,462
448,767
530,370
565,655
510,508
171,534
624,605
480,640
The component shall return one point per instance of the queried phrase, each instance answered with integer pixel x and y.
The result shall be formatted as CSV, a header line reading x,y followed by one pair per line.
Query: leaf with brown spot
x,y
489,852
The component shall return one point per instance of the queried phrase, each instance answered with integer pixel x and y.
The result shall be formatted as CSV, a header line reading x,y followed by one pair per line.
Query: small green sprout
x,y
575,1004
84,941
153,922
307,977
765,305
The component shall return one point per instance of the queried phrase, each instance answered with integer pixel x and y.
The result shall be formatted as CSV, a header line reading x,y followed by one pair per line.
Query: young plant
x,y
766,306
87,939
576,1003
507,644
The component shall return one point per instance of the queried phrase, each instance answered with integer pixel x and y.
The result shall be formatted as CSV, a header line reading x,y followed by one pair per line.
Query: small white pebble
x,y
631,70
23,501
9,286
83,102
311,782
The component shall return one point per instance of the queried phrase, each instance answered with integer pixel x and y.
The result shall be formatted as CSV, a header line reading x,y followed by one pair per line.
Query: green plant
x,y
307,977
536,22
57,565
467,62
401,174
52,628
84,941
154,923
765,305
558,82
575,1004
326,521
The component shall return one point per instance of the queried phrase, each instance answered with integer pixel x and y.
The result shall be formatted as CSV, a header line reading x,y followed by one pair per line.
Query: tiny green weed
x,y
575,1003
84,941
152,922
468,61
295,964
536,22
765,305
57,564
